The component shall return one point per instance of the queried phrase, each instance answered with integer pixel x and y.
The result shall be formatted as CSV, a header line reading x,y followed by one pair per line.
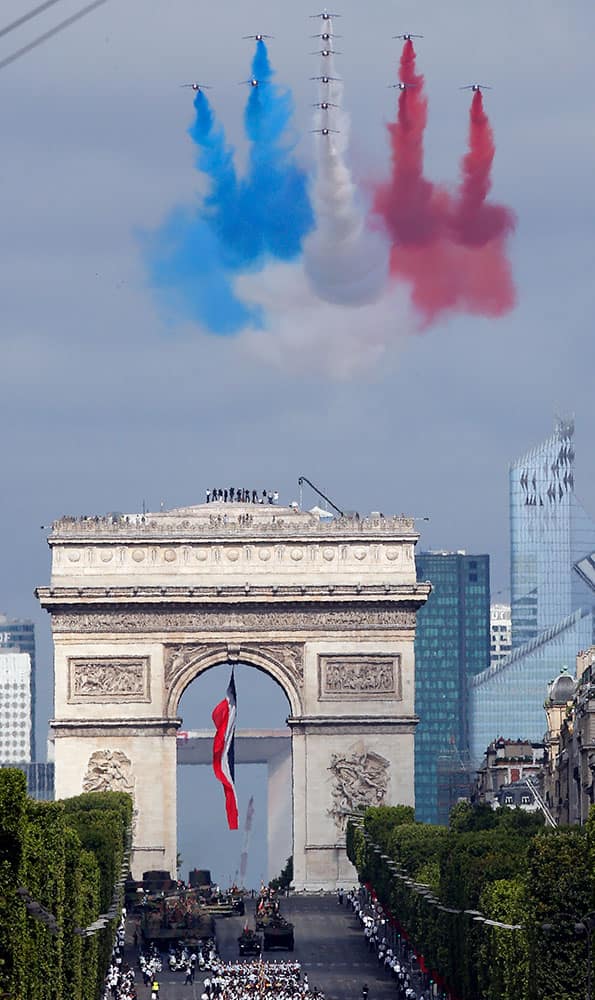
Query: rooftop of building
x,y
562,435
561,689
229,518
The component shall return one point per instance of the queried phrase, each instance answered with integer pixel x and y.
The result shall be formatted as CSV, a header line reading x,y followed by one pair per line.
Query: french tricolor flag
x,y
224,717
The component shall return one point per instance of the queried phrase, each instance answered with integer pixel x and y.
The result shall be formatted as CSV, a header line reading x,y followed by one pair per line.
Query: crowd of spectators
x,y
398,962
119,982
235,494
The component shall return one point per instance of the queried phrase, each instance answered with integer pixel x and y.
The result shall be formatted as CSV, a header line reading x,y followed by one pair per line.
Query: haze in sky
x,y
108,402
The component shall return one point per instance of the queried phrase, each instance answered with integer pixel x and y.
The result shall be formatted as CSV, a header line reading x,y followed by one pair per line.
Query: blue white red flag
x,y
224,717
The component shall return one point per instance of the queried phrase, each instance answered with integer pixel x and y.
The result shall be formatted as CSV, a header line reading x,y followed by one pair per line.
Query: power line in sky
x,y
27,17
49,34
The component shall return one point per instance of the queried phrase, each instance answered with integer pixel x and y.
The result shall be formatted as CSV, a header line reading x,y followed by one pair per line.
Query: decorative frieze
x,y
108,679
359,677
235,619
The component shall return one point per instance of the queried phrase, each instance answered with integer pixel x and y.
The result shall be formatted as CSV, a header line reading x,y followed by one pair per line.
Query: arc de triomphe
x,y
143,604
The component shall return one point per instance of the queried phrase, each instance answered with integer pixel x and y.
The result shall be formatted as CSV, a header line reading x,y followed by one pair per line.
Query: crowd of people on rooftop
x,y
234,494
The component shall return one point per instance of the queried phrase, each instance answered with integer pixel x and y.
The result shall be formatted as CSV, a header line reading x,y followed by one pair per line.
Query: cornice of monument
x,y
411,595
115,727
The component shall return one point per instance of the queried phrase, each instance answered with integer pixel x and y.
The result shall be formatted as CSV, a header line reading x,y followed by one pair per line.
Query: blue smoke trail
x,y
186,258
274,194
238,224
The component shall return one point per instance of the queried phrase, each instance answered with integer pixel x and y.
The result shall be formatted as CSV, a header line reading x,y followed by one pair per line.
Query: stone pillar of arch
x,y
141,605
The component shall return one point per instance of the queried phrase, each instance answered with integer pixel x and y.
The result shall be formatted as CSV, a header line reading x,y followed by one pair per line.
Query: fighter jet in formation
x,y
407,38
326,37
325,105
252,81
325,131
325,53
475,87
324,14
326,79
258,38
402,86
196,86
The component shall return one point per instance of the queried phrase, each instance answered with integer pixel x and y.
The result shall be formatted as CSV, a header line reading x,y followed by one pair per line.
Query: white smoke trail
x,y
306,336
345,262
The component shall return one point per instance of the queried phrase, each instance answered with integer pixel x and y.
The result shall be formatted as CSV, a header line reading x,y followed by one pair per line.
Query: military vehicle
x,y
249,942
180,916
278,933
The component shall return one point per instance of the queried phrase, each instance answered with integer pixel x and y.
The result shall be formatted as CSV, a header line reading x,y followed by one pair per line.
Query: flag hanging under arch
x,y
224,717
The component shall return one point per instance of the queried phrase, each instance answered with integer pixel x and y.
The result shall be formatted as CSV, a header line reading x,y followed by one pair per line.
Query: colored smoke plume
x,y
476,221
449,247
345,262
305,335
239,223
274,202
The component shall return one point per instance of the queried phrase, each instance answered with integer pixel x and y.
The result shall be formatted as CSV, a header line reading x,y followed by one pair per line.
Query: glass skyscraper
x,y
452,644
549,532
552,603
19,635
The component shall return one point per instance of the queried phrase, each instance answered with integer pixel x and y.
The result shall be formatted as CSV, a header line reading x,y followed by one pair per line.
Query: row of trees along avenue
x,y
448,891
59,863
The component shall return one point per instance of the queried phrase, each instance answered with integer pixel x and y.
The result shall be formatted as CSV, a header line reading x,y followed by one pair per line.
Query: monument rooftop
x,y
228,519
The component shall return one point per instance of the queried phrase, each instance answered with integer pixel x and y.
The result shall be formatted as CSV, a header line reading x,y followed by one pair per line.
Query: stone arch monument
x,y
143,604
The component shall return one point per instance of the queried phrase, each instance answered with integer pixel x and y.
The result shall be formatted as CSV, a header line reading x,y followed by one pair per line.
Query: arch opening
x,y
263,775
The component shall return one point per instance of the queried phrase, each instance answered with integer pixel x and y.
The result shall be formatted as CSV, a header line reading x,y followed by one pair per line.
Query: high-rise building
x,y
452,644
552,602
19,635
549,533
500,632
15,708
40,779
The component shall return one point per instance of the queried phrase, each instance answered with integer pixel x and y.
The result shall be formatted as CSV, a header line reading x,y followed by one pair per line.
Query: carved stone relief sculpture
x,y
108,679
109,771
359,779
359,677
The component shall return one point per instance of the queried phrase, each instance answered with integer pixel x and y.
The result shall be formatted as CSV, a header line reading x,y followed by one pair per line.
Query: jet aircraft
x,y
325,105
253,82
407,38
326,37
476,86
257,38
326,52
402,86
325,131
196,86
326,79
324,14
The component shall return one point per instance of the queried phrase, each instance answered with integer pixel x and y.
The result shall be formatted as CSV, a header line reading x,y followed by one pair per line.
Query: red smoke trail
x,y
450,248
477,222
412,207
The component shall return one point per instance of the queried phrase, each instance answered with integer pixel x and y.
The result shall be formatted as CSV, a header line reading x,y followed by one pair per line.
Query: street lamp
x,y
581,925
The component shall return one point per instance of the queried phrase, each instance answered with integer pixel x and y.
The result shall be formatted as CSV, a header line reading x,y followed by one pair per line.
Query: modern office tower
x,y
19,635
549,533
552,602
40,779
15,708
500,632
452,644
